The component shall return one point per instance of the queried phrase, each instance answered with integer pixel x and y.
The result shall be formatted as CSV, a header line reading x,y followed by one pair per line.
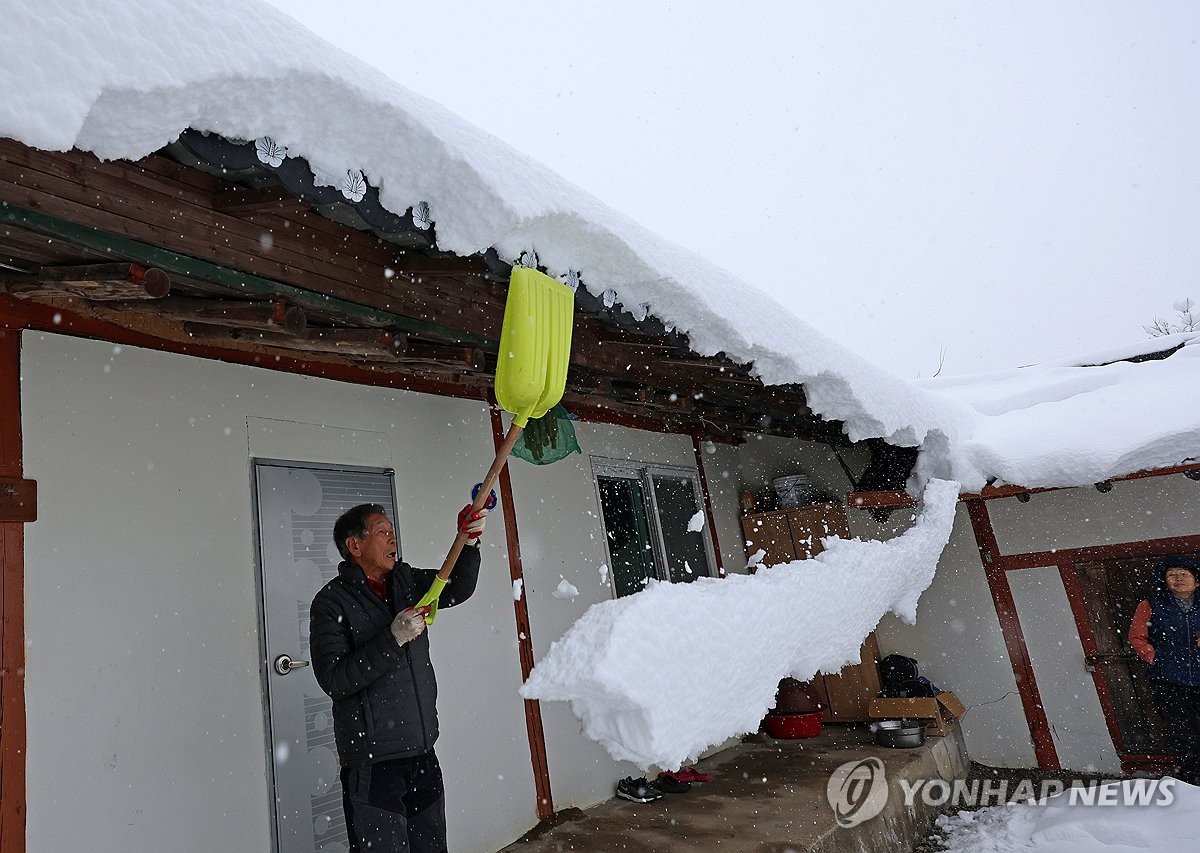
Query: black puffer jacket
x,y
384,694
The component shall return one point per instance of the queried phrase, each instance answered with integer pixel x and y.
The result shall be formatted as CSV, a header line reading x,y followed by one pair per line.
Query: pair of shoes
x,y
669,784
638,790
689,774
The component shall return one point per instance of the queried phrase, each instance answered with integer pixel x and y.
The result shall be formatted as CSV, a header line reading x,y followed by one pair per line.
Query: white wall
x,y
1135,510
562,536
764,457
144,685
958,645
957,637
1068,692
724,485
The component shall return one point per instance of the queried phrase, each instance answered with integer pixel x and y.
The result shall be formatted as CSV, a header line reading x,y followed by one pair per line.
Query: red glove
x,y
471,524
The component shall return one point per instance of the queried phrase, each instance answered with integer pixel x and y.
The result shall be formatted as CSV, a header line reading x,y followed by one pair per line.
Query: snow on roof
x,y
124,79
1078,421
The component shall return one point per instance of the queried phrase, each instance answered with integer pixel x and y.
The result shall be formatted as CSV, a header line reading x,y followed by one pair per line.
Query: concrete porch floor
x,y
768,796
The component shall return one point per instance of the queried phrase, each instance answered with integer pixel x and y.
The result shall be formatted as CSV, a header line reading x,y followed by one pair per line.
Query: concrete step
x,y
770,796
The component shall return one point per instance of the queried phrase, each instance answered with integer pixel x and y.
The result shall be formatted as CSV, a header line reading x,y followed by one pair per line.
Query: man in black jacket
x,y
370,653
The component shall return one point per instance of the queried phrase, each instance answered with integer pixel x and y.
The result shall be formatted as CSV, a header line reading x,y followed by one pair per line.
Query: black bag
x,y
899,679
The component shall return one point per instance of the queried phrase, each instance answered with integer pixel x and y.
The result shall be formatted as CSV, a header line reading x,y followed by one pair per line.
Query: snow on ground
x,y
1068,825
1078,421
659,676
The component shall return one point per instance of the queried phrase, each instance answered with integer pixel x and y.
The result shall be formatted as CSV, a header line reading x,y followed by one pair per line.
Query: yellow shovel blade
x,y
535,345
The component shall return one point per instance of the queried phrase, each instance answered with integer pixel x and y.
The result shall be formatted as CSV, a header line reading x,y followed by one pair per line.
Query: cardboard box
x,y
938,713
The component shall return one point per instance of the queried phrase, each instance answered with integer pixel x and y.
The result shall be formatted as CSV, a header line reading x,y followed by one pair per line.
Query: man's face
x,y
1181,582
375,552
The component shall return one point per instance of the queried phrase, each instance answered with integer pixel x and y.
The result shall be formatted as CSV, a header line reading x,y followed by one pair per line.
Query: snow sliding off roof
x,y
246,71
125,79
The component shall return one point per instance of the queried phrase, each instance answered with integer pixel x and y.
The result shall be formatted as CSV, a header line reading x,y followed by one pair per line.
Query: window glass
x,y
623,505
686,555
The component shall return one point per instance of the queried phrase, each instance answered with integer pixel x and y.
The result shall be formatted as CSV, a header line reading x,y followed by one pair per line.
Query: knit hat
x,y
1178,561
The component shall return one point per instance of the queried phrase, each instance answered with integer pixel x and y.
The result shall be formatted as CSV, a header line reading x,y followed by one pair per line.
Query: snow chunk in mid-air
x,y
565,590
696,522
659,676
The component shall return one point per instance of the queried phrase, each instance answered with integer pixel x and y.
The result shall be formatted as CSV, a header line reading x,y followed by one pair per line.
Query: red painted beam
x,y
12,607
533,709
1090,553
1087,639
1014,637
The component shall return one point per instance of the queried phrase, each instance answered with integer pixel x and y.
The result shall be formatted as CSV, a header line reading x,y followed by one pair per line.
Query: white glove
x,y
408,625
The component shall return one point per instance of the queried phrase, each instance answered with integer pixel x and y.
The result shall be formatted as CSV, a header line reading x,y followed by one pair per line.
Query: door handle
x,y
284,664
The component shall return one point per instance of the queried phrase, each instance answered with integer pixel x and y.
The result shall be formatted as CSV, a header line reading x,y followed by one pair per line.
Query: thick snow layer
x,y
1068,824
1077,421
245,70
661,675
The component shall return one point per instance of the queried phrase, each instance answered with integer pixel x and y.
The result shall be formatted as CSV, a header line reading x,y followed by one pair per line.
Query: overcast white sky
x,y
1011,182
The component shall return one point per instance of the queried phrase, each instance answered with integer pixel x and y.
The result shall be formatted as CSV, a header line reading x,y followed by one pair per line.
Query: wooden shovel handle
x,y
514,432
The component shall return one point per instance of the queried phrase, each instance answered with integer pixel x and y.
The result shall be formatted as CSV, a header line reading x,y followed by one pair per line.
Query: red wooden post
x,y
533,709
1014,637
12,605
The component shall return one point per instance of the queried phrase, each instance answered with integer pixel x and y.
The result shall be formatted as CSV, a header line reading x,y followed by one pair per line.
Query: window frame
x,y
644,473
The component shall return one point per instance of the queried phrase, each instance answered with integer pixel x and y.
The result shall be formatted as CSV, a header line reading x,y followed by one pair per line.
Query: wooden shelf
x,y
787,535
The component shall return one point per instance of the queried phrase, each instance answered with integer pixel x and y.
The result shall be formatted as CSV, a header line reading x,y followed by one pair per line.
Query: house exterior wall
x,y
724,485
562,536
764,457
1068,693
1134,511
958,645
957,637
144,683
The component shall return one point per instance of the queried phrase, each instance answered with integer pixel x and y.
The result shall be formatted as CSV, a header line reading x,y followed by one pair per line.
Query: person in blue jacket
x,y
1165,633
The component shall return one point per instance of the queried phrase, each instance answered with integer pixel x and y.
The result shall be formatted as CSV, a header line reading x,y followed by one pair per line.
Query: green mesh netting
x,y
547,439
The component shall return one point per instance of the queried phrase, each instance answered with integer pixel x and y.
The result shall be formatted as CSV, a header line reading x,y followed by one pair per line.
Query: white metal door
x,y
296,506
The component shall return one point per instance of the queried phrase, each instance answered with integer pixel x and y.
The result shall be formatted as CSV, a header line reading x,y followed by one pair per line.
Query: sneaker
x,y
638,790
669,784
690,774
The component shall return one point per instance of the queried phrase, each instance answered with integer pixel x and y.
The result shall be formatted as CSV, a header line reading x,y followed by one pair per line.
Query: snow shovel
x,y
531,375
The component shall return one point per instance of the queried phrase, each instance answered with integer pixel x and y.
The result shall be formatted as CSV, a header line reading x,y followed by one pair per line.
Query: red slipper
x,y
691,774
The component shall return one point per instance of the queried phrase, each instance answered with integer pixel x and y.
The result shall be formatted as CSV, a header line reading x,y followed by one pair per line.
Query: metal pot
x,y
898,734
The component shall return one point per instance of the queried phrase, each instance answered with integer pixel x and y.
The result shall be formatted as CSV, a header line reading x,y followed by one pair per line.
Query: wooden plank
x,y
769,532
1150,548
1014,637
851,689
103,200
208,251
1090,641
72,165
348,252
533,709
18,500
342,259
12,610
879,500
